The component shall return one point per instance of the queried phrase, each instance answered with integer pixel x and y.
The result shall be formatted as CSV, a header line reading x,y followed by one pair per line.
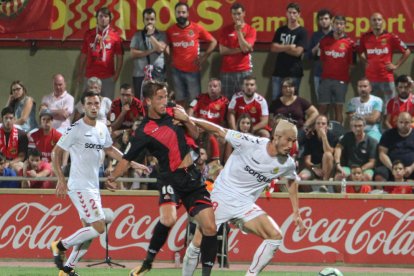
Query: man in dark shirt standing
x,y
289,42
178,179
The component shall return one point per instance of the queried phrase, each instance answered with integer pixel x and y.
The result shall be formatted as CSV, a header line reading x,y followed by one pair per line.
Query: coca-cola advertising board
x,y
349,230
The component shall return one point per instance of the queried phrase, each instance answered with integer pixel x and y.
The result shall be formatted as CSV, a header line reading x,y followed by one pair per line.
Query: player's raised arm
x,y
210,127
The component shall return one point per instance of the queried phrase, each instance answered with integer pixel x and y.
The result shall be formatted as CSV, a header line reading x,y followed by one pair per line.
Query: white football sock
x,y
80,236
190,260
77,253
263,255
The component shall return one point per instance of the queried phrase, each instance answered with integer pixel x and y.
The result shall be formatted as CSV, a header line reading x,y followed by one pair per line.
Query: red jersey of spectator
x,y
365,189
378,51
44,142
100,56
336,57
240,62
136,111
211,110
407,190
395,106
256,107
43,165
186,46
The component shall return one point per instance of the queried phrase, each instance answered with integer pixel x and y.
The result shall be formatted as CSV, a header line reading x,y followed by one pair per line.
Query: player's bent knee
x,y
209,230
99,226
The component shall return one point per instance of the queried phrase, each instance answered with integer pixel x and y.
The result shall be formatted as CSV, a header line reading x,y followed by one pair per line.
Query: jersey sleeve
x,y
204,34
241,140
291,171
68,138
108,139
137,144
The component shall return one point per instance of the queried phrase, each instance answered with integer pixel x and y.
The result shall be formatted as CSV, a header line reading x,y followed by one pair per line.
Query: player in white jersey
x,y
254,163
84,140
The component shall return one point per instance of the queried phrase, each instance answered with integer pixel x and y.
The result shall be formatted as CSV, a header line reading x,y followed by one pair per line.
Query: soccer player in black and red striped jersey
x,y
179,179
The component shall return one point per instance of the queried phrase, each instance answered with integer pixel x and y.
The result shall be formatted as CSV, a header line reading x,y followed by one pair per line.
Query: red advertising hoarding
x,y
358,231
69,19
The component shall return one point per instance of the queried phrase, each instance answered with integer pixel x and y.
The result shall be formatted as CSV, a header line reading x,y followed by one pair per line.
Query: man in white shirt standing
x,y
60,103
253,165
84,140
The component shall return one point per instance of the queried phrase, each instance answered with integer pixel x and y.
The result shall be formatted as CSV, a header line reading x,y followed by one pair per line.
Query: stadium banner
x,y
349,230
69,19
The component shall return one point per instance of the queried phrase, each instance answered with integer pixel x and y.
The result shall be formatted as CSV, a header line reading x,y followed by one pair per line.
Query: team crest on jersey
x,y
236,135
191,33
275,170
384,41
217,107
342,46
253,110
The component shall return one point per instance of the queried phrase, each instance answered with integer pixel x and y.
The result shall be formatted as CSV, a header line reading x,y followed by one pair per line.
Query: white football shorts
x,y
88,204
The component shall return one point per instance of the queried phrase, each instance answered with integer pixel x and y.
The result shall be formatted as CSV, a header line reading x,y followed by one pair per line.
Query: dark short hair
x,y
148,11
34,152
293,5
126,86
150,88
396,162
105,11
237,6
402,78
87,95
249,77
181,4
339,17
324,12
7,110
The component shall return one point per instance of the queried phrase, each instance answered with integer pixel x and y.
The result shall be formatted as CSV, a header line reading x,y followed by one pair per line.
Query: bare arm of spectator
x,y
384,158
25,112
231,119
119,61
388,121
120,118
211,46
311,114
224,51
325,142
369,165
82,64
337,158
264,121
245,46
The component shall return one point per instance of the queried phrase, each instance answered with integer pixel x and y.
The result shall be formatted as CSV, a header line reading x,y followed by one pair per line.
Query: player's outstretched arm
x,y
210,127
294,200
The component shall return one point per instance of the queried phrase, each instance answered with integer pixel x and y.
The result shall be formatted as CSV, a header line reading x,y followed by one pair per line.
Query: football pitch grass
x,y
48,271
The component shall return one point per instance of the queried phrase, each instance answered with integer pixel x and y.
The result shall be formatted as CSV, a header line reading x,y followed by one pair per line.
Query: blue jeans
x,y
277,86
187,85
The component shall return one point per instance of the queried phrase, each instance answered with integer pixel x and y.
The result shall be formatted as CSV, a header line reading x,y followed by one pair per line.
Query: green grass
x,y
43,271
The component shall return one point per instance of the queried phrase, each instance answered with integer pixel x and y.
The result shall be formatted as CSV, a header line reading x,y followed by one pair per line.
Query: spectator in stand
x,y
46,137
5,170
396,144
289,42
403,102
368,106
94,84
355,148
398,172
236,45
318,154
125,110
13,141
212,105
147,50
313,53
102,54
60,103
184,48
23,105
376,49
294,107
251,102
337,56
244,125
357,175
34,167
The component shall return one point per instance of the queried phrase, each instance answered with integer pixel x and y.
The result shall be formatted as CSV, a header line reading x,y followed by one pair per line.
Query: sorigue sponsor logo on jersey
x,y
260,177
377,51
335,54
184,44
93,146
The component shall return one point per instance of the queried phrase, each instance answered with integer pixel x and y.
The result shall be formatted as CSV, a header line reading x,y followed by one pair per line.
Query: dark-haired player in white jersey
x,y
254,163
86,140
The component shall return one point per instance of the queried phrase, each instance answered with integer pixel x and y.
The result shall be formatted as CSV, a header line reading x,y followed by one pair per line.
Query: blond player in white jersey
x,y
84,140
254,163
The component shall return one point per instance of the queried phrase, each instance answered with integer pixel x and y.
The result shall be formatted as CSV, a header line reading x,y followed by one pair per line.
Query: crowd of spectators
x,y
378,147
